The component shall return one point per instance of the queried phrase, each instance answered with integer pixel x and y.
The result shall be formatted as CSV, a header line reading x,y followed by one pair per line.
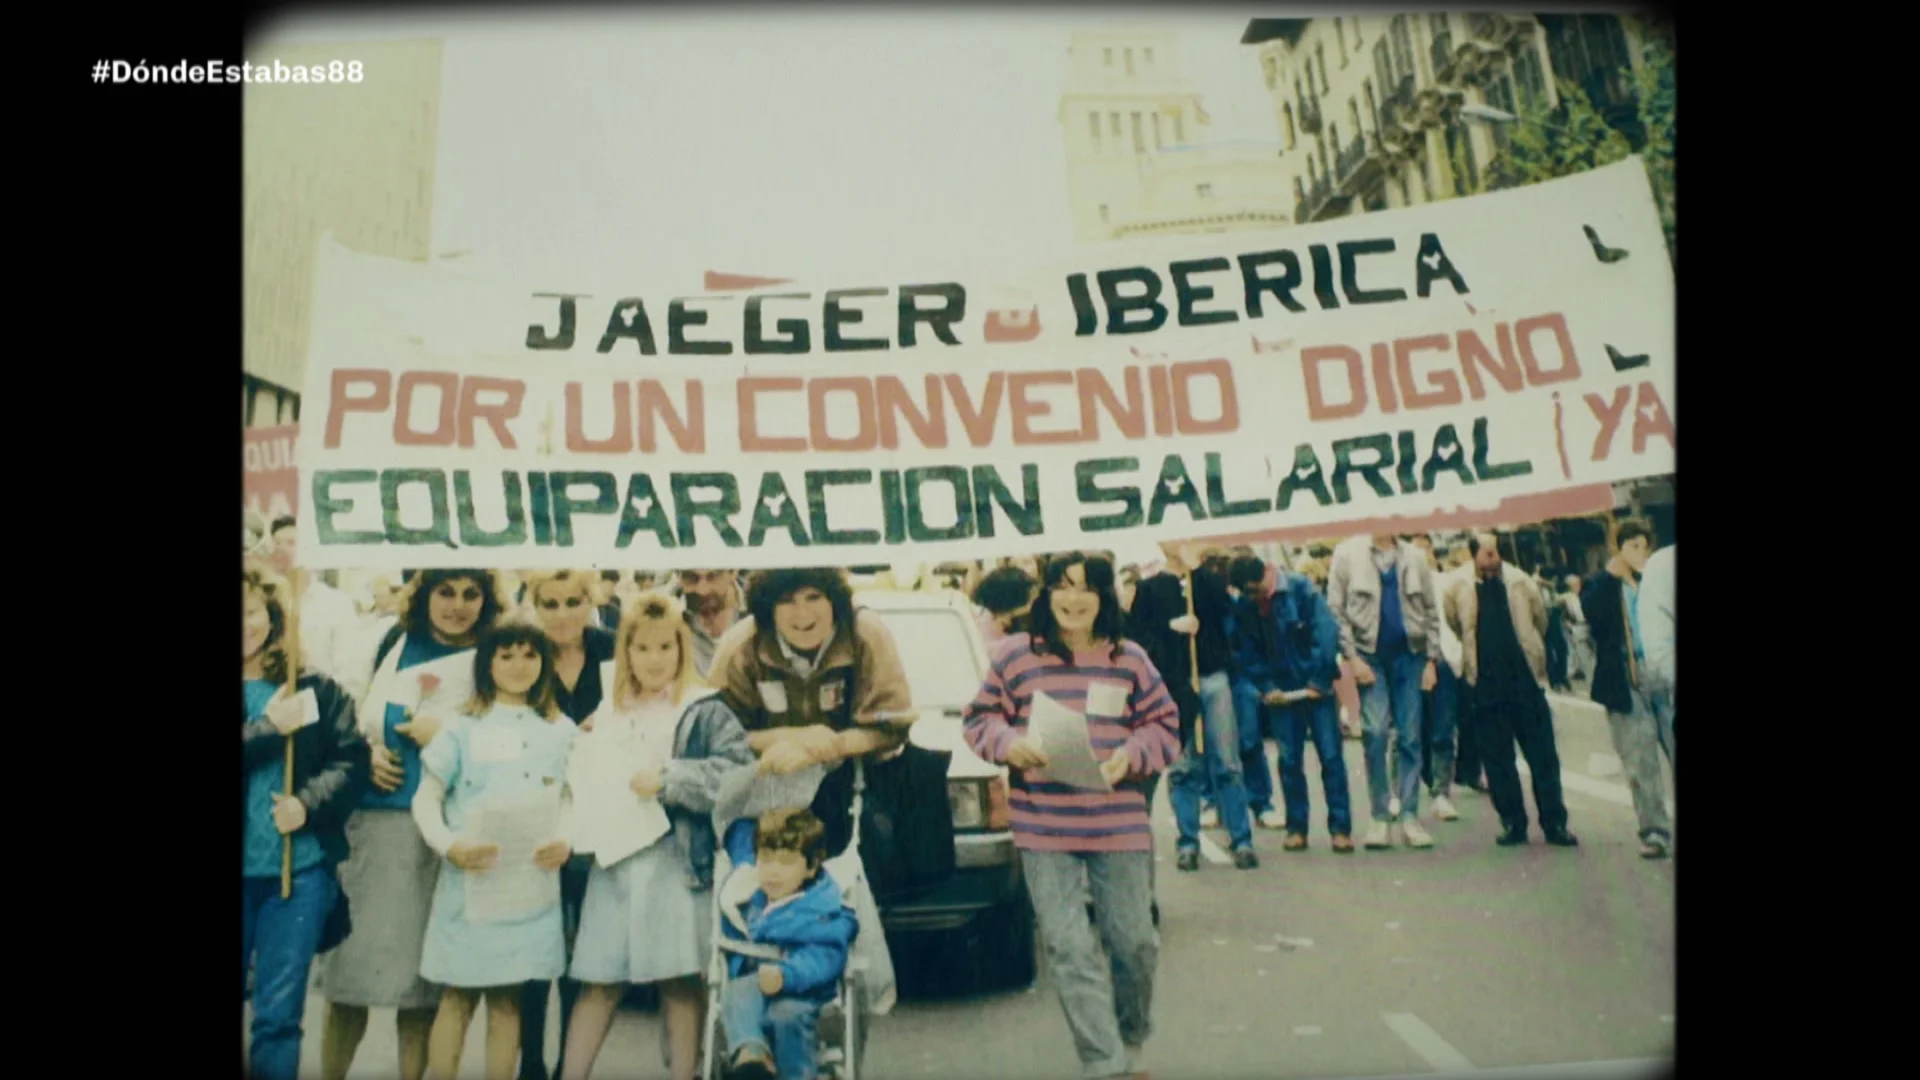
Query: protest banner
x,y
1486,348
271,483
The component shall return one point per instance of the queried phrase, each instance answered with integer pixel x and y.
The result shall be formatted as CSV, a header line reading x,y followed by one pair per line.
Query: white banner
x,y
1441,357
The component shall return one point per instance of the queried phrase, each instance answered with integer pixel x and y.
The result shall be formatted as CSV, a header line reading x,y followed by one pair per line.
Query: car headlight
x,y
968,798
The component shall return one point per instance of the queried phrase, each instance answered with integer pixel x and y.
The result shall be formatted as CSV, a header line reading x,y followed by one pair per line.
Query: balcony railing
x,y
1350,157
1309,113
1401,92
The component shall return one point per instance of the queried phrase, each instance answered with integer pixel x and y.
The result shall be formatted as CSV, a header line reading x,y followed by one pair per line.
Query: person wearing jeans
x,y
1080,846
1637,712
1285,640
1382,599
1209,765
1255,722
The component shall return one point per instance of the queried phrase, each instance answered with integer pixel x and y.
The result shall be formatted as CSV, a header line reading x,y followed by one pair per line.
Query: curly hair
x,y
767,589
271,588
652,609
792,830
1108,623
418,593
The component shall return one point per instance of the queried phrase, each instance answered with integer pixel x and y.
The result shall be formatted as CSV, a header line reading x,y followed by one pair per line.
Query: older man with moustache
x,y
1502,621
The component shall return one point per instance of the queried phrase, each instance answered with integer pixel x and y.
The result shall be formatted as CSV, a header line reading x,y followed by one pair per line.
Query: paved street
x,y
1468,956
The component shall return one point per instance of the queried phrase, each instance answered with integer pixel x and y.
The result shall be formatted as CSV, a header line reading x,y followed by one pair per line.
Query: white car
x,y
984,905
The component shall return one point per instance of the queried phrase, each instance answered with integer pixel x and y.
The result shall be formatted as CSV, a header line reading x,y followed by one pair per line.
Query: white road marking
x,y
1586,785
1307,1029
1426,1042
1212,851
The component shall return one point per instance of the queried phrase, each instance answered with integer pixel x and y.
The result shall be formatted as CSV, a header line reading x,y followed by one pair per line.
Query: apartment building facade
x,y
1138,160
352,159
1370,106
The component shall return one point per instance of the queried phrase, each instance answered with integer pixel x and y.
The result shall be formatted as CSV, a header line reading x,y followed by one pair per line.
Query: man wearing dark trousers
x,y
1502,621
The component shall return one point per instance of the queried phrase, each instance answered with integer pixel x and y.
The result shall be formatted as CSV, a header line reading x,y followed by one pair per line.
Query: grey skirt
x,y
389,877
641,923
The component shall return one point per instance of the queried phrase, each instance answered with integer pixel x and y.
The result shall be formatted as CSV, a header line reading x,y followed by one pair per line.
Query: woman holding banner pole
x,y
422,674
293,908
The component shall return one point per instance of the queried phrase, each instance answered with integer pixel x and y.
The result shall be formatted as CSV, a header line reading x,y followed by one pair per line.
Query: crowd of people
x,y
443,695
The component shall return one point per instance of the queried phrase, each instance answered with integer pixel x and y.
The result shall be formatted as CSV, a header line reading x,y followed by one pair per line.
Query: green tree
x,y
1545,144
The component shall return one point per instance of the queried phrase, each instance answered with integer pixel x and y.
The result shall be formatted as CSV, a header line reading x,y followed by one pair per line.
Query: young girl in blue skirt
x,y
510,743
648,916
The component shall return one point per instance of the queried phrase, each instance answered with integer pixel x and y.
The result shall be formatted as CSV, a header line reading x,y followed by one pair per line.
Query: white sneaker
x,y
1136,1059
1415,835
1209,818
1393,807
1443,809
1376,835
1273,819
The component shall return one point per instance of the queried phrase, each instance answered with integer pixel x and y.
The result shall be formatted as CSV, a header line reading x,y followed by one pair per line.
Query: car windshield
x,y
939,659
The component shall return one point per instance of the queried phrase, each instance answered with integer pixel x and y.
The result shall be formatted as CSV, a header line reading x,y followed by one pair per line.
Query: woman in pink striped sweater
x,y
1073,840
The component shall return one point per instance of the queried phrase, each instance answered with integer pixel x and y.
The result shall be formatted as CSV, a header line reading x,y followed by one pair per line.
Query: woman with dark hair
x,y
422,675
1081,848
815,683
280,936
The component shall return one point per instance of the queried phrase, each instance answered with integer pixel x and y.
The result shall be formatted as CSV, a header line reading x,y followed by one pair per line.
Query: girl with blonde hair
x,y
647,918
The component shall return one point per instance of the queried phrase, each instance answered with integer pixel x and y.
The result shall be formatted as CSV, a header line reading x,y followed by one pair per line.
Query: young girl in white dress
x,y
648,915
509,745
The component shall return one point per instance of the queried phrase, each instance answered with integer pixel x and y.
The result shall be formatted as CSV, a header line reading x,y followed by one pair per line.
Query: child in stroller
x,y
787,945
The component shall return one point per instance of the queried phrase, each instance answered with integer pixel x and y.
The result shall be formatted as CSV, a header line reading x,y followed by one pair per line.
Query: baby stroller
x,y
842,1030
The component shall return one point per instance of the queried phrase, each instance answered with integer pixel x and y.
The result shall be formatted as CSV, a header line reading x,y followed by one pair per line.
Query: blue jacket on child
x,y
815,929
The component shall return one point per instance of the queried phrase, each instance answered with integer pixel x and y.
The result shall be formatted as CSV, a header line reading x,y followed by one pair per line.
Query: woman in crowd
x,y
1078,846
423,674
281,936
648,916
508,744
814,683
562,603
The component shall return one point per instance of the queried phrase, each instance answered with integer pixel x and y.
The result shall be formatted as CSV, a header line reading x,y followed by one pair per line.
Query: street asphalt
x,y
1465,957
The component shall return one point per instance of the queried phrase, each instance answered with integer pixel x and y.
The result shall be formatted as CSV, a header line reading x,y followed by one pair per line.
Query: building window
x,y
1313,168
1353,115
1373,106
1104,219
1383,67
1299,192
1179,129
1333,136
1320,54
1406,195
1356,31
1321,141
1205,191
1402,48
1149,57
1109,53
1287,112
1532,84
1139,145
1340,35
1156,131
1113,125
1129,62
1466,174
1093,125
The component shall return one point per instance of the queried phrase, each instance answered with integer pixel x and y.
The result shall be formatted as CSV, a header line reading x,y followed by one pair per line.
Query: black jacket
x,y
331,766
1603,599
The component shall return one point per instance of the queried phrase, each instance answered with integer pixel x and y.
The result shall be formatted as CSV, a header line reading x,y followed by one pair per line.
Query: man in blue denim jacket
x,y
1286,649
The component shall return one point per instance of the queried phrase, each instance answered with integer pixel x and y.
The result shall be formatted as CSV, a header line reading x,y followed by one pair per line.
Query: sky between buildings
x,y
633,149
